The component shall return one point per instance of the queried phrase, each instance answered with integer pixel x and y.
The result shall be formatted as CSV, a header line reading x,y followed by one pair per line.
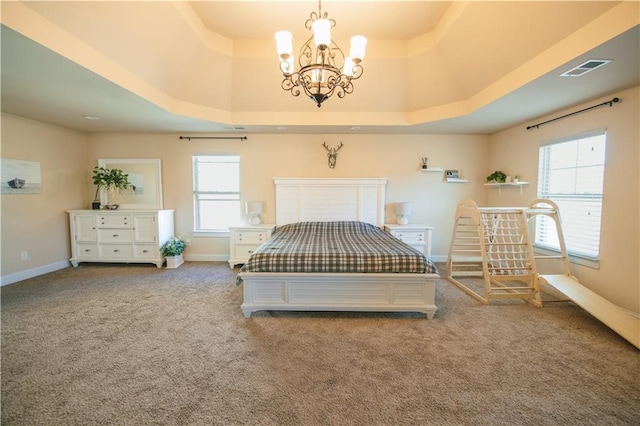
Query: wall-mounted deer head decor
x,y
332,154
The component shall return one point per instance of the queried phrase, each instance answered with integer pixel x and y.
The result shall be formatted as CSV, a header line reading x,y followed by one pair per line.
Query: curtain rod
x,y
610,103
242,138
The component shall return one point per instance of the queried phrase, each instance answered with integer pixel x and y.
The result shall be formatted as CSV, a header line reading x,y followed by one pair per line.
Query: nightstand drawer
x,y
250,237
416,235
245,251
409,237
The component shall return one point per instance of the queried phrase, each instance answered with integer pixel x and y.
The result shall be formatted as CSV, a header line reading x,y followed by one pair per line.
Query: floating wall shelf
x,y
500,185
433,169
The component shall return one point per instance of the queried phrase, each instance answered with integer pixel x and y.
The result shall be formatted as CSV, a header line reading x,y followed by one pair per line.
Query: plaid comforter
x,y
336,247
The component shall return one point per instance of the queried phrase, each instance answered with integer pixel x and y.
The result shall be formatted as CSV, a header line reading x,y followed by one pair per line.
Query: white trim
x,y
206,257
211,234
578,260
34,272
581,135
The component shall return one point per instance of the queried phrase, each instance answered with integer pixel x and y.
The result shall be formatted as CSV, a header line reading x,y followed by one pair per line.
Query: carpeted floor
x,y
137,345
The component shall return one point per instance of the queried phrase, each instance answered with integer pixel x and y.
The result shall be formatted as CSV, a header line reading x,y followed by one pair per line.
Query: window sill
x,y
577,260
211,234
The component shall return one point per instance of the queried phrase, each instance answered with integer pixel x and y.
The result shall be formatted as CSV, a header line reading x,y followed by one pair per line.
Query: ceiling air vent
x,y
584,68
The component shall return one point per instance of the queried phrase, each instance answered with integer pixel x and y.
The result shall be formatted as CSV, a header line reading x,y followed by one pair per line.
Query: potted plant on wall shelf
x,y
110,180
172,250
498,177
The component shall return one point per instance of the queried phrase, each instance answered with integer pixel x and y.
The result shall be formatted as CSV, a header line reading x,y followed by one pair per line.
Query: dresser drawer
x,y
114,221
115,235
86,251
250,237
116,250
142,251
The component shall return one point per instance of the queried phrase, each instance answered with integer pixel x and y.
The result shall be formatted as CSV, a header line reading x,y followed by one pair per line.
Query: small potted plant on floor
x,y
110,180
172,251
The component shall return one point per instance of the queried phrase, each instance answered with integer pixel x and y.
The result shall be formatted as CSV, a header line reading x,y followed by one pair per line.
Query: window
x,y
216,192
571,173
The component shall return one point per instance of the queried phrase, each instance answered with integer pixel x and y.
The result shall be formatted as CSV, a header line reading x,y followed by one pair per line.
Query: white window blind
x,y
216,192
571,173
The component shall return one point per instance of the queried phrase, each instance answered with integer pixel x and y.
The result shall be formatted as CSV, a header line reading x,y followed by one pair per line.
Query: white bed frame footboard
x,y
330,199
339,292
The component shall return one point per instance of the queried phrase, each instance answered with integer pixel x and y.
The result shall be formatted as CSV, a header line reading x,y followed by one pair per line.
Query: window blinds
x,y
571,173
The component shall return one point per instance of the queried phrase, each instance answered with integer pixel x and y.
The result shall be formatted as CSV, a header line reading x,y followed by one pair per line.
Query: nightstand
x,y
416,235
245,239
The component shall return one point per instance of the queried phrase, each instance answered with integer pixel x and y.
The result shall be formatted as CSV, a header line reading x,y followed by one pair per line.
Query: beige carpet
x,y
137,345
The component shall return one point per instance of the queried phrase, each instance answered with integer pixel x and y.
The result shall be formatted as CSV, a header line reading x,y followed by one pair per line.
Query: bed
x,y
275,278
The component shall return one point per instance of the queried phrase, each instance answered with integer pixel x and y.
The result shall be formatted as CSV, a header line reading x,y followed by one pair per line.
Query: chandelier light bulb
x,y
348,66
321,33
358,47
284,44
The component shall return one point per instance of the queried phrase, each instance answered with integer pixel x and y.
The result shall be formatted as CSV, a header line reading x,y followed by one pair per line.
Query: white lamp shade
x,y
284,44
254,207
321,32
403,209
358,47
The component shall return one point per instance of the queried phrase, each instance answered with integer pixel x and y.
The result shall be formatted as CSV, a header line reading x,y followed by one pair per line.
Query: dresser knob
x,y
115,235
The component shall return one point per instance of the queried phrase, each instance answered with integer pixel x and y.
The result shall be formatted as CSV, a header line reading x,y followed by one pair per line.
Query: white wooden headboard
x,y
328,199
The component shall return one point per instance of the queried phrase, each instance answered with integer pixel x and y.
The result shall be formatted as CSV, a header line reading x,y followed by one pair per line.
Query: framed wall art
x,y
146,178
20,177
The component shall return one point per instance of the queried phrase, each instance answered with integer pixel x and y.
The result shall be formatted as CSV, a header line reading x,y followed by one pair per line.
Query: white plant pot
x,y
174,261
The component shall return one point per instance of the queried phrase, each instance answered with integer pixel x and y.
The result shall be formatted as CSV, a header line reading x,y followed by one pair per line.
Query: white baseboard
x,y
206,257
30,273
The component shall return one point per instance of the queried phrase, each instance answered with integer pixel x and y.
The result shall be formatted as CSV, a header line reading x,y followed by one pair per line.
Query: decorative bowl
x,y
111,206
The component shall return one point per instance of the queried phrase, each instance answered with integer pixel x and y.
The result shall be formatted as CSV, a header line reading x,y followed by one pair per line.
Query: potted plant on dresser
x,y
172,251
110,180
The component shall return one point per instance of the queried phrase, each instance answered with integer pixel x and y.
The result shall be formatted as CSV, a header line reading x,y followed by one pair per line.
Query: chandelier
x,y
323,70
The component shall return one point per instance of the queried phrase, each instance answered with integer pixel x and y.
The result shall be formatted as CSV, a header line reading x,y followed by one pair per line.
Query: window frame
x,y
585,259
197,229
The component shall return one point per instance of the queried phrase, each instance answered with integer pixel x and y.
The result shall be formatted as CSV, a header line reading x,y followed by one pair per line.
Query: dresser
x,y
119,236
243,240
416,235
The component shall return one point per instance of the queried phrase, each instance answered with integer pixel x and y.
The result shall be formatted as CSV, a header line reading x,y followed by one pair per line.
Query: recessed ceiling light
x,y
91,117
354,128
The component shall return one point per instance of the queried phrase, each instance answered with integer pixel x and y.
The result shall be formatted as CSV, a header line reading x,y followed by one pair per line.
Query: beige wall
x,y
264,156
516,151
38,223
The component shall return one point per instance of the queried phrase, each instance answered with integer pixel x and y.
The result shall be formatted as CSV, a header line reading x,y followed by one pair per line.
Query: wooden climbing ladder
x,y
493,243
